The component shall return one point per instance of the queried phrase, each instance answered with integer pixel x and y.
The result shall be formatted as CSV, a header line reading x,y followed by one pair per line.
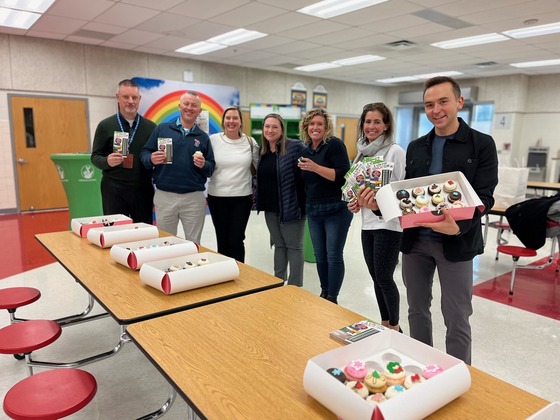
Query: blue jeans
x,y
328,234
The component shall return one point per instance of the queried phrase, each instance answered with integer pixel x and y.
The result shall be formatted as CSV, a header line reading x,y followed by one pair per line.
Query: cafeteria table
x,y
245,359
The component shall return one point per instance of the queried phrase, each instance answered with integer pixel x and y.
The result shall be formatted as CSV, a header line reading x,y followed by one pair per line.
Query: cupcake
x,y
458,204
338,374
413,380
407,211
375,399
454,196
394,390
394,374
431,370
358,387
406,203
202,261
422,201
375,382
437,199
402,194
355,370
425,209
417,191
434,189
449,186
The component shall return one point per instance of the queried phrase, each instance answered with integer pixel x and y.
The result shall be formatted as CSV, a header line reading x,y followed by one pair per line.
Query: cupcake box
x,y
550,412
390,208
189,272
110,235
135,254
81,226
376,351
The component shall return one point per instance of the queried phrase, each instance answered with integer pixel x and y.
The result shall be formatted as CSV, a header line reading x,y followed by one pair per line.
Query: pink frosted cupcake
x,y
355,370
431,370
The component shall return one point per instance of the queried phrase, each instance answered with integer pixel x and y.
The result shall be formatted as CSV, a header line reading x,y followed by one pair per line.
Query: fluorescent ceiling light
x,y
358,60
398,79
38,6
201,48
329,8
17,18
551,28
541,63
471,40
238,36
317,67
442,73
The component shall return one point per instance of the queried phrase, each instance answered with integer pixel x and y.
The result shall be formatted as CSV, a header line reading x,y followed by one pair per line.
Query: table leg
x,y
164,408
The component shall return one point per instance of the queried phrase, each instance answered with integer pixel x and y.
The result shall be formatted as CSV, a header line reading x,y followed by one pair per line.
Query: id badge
x,y
120,142
128,161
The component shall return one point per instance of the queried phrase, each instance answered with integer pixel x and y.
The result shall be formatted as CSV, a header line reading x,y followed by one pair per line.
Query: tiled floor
x,y
517,346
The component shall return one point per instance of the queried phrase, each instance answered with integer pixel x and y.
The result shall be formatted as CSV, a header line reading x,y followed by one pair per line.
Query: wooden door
x,y
350,130
43,126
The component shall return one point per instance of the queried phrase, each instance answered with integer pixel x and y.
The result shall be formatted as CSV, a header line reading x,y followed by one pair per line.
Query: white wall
x,y
55,68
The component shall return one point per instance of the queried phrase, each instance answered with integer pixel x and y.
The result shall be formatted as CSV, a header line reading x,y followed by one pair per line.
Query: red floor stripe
x,y
19,250
536,291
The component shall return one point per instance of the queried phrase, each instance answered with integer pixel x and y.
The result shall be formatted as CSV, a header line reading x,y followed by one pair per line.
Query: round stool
x,y
27,336
50,395
516,252
12,298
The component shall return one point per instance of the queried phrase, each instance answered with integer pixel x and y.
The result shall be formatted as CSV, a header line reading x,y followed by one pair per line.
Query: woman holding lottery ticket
x,y
381,239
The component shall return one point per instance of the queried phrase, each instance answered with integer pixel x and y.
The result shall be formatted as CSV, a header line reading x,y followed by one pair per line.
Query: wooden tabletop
x,y
119,289
552,186
245,358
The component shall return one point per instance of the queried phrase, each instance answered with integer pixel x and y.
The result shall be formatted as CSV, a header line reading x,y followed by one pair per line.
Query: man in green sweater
x,y
126,187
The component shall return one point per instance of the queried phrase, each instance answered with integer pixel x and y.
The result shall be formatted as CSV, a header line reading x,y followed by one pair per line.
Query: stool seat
x,y
501,225
50,395
27,336
517,251
14,297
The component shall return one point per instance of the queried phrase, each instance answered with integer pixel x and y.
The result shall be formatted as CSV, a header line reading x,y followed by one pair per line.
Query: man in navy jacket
x,y
180,183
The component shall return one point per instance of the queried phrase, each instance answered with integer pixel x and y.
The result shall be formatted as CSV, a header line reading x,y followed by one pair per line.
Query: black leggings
x,y
381,252
230,216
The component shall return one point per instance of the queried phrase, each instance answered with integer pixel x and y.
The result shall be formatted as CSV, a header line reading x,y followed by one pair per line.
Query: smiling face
x,y
317,129
190,108
374,125
272,130
232,123
128,98
441,107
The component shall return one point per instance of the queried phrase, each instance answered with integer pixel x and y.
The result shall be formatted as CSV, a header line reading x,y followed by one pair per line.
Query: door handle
x,y
22,161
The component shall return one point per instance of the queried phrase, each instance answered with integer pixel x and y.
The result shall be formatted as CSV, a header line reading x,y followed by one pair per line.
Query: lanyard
x,y
136,123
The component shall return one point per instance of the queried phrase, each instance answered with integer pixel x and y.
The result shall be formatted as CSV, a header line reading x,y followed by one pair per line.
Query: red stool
x,y
16,297
516,252
50,395
25,337
500,240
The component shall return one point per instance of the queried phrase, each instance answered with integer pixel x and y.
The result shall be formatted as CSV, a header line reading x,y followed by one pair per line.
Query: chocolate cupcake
x,y
454,196
434,189
402,194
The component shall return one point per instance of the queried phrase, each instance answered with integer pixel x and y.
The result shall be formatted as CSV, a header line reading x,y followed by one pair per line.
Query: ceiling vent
x,y
486,64
401,45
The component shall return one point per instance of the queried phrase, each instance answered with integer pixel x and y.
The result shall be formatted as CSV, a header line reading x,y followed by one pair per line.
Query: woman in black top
x,y
324,164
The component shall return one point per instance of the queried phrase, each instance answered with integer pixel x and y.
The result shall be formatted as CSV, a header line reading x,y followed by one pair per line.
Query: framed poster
x,y
319,100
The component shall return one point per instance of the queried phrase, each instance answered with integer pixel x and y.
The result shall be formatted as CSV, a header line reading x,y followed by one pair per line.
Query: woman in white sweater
x,y
380,238
230,187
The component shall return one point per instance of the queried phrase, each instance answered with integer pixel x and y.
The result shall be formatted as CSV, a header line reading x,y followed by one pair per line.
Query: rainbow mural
x,y
160,100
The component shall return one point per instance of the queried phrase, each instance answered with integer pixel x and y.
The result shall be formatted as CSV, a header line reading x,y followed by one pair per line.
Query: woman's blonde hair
x,y
304,124
264,143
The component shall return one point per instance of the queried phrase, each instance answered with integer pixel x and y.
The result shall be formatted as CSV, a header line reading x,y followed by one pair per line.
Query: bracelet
x,y
458,233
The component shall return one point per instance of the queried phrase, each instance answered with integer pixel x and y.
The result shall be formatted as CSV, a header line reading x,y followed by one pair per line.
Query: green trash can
x,y
82,183
308,252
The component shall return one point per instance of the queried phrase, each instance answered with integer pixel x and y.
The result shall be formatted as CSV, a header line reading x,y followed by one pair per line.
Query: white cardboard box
x,y
376,351
134,254
218,269
109,236
81,226
389,205
550,412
